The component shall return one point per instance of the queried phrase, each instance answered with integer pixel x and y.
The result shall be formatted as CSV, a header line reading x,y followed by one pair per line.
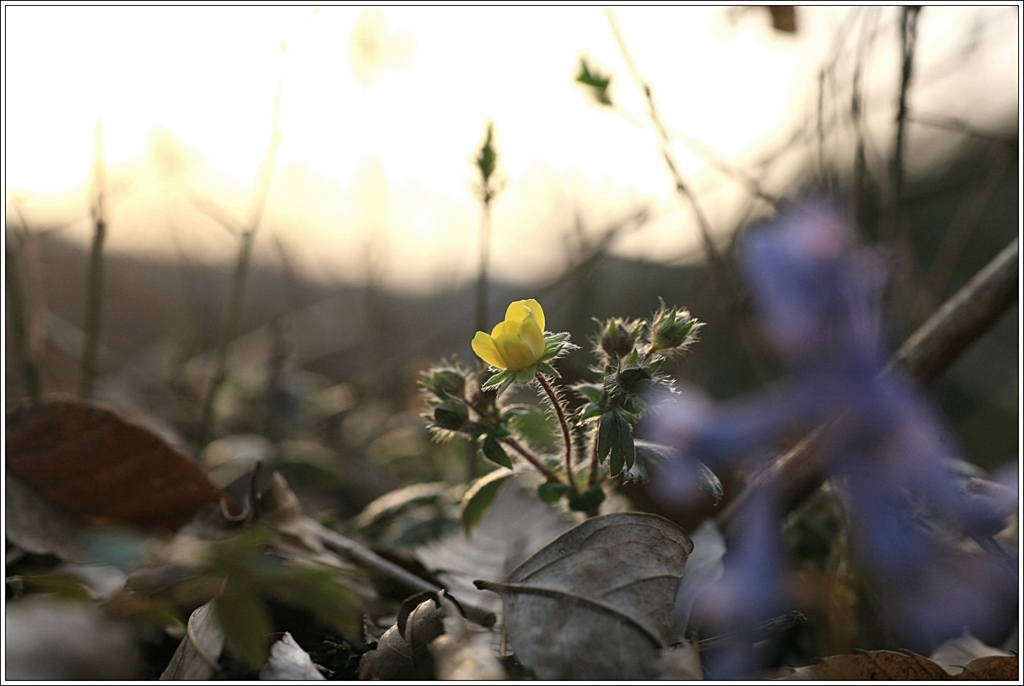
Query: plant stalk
x,y
566,434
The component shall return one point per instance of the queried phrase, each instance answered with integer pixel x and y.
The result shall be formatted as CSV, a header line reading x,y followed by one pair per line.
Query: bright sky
x,y
382,111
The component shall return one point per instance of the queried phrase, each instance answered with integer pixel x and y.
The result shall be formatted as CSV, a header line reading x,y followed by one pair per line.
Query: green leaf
x,y
451,415
615,441
588,499
590,391
497,379
634,379
545,368
606,436
551,491
479,497
636,474
487,159
590,411
524,375
245,622
493,451
597,81
626,446
322,592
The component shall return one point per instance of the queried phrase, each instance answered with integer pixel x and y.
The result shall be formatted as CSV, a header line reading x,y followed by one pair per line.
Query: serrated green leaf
x,y
637,473
615,442
587,500
497,379
245,622
551,491
492,450
627,447
606,436
479,497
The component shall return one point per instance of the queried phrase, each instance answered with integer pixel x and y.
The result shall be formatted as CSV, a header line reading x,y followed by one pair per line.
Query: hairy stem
x,y
592,479
566,434
535,461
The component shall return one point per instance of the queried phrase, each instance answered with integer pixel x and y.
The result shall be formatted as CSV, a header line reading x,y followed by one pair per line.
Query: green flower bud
x,y
451,414
671,329
619,337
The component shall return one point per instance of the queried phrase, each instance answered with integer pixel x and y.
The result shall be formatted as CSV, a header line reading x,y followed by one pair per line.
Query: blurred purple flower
x,y
817,296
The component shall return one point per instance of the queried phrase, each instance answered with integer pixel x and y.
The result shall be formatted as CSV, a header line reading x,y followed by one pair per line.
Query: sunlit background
x,y
380,112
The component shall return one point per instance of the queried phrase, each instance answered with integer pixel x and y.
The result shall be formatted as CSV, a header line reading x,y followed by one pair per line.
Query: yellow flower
x,y
517,342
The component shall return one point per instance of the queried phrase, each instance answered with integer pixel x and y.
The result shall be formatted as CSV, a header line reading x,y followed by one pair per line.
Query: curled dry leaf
x,y
289,662
403,651
463,652
284,516
596,603
94,463
198,654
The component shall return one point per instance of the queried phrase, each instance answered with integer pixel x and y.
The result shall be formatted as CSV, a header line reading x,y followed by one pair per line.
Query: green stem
x,y
592,480
536,461
566,435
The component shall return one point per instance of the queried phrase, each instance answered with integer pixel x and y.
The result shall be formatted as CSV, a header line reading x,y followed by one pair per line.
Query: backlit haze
x,y
382,110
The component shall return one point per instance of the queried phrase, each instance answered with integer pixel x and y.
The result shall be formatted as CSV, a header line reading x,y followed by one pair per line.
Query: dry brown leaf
x,y
463,652
92,462
289,662
993,668
198,654
877,665
596,603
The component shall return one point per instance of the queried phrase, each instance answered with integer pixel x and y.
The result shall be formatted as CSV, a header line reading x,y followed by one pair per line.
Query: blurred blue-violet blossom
x,y
818,298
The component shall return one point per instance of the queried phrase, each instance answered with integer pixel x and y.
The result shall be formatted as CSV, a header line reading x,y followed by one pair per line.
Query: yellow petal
x,y
483,345
520,309
531,334
514,351
505,327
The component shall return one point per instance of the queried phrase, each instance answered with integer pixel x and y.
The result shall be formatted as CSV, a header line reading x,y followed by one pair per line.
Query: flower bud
x,y
451,415
619,337
671,329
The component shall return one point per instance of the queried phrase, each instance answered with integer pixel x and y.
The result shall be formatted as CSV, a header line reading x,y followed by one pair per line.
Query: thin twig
x,y
94,280
959,126
483,267
364,557
908,43
21,321
234,306
718,263
534,460
964,318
